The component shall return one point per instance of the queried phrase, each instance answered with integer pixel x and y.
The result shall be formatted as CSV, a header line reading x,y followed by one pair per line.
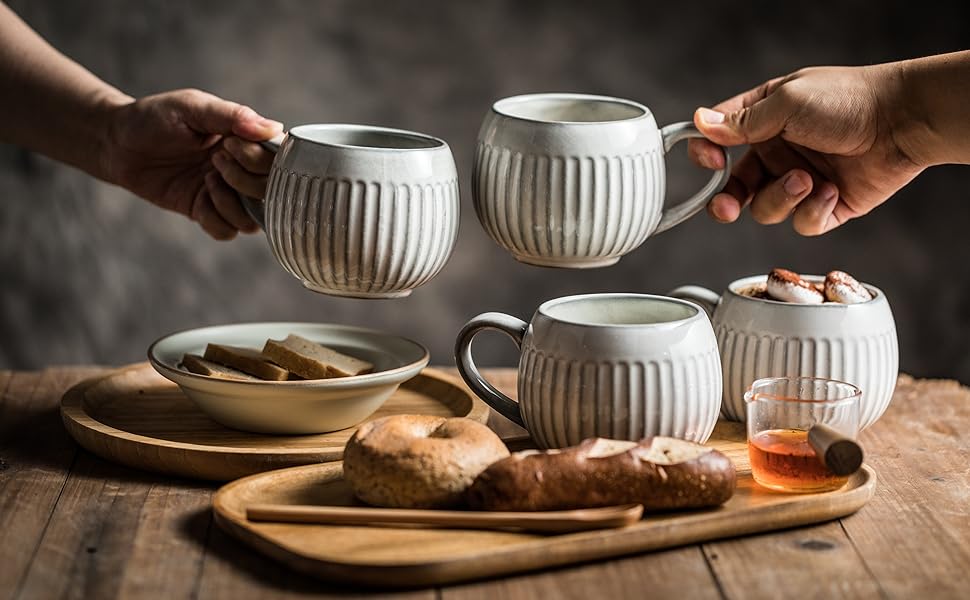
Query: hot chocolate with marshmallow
x,y
783,285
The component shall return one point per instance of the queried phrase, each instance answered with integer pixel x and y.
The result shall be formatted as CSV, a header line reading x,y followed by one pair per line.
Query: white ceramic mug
x,y
573,180
759,338
361,211
620,366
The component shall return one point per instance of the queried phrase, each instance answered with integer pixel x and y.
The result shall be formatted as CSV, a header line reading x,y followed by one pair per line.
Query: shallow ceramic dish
x,y
291,407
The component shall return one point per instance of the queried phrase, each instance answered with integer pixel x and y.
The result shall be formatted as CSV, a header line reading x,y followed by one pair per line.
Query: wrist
x,y
106,111
905,113
930,104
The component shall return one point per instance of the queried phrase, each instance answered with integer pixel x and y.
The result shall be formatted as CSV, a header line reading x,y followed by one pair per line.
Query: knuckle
x,y
788,93
194,95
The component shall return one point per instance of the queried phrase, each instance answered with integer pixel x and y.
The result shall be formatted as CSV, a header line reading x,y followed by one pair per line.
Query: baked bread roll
x,y
661,473
418,461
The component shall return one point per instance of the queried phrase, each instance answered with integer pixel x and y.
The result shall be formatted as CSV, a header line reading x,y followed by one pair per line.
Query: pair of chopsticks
x,y
560,521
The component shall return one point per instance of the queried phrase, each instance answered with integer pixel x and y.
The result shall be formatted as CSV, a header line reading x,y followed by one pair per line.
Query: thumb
x,y
761,121
210,114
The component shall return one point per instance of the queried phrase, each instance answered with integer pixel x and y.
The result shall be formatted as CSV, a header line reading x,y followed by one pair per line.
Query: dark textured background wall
x,y
92,275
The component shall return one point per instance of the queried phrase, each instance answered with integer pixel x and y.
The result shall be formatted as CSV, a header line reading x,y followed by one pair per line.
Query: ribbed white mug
x,y
759,338
620,366
360,211
574,180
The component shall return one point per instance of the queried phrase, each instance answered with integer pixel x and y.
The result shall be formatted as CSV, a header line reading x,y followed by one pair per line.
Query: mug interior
x,y
569,108
365,136
613,310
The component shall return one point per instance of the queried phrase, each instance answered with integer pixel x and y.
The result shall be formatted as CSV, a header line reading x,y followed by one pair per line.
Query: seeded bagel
x,y
418,461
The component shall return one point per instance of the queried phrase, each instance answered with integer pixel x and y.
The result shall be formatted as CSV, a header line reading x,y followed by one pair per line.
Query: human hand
x,y
190,152
824,147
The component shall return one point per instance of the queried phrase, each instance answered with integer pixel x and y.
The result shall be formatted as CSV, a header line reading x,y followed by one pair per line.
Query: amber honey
x,y
783,459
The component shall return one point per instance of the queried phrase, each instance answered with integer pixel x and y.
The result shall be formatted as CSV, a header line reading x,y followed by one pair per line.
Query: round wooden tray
x,y
136,417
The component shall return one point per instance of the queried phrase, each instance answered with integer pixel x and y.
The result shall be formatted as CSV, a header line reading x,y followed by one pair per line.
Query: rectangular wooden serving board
x,y
423,556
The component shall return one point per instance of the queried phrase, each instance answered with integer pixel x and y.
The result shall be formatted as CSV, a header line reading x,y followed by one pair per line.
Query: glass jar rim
x,y
853,395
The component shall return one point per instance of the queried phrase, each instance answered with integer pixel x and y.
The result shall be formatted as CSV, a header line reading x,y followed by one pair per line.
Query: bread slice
x,y
313,361
196,364
246,360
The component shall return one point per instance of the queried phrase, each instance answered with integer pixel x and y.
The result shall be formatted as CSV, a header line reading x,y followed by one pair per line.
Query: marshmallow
x,y
787,286
843,288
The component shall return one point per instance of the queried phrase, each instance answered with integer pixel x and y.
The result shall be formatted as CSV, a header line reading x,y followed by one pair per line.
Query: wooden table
x,y
73,525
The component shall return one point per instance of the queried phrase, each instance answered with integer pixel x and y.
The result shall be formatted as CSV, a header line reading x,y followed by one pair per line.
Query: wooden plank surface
x,y
35,458
657,576
81,527
915,534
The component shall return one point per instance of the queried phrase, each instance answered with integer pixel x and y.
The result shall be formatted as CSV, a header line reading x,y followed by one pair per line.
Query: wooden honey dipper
x,y
840,453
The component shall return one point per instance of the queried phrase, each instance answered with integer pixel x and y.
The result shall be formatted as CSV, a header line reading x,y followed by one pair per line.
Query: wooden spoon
x,y
559,521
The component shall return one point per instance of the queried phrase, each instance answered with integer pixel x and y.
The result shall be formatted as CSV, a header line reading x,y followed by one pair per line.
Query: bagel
x,y
418,461
843,288
788,286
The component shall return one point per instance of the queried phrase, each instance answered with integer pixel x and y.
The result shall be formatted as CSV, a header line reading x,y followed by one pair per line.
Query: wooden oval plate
x,y
405,556
136,417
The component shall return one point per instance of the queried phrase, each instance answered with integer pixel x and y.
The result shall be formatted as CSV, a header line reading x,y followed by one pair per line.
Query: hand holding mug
x,y
166,149
824,147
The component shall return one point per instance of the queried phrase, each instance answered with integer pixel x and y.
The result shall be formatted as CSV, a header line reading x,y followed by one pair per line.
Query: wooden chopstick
x,y
542,521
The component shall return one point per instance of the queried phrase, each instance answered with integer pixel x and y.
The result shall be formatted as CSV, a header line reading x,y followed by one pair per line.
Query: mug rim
x,y
300,132
732,289
548,304
500,107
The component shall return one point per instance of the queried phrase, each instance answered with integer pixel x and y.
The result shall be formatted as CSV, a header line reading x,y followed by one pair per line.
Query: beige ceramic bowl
x,y
292,407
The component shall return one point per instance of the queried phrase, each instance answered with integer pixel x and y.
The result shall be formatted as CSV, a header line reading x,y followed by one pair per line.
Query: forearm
x,y
935,128
49,103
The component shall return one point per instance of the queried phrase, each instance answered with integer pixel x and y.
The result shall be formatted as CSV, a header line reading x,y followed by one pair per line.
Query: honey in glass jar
x,y
782,459
780,413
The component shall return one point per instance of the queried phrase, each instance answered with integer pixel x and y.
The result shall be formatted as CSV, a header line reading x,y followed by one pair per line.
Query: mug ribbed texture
x,y
546,209
361,237
565,401
868,361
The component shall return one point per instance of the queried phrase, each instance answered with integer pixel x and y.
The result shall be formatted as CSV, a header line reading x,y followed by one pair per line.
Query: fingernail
x,y
794,185
719,208
711,117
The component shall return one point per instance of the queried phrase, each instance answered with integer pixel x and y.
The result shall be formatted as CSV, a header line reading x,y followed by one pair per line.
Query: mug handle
x,y
255,208
511,326
679,213
707,299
